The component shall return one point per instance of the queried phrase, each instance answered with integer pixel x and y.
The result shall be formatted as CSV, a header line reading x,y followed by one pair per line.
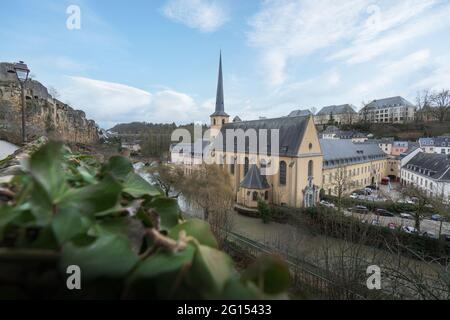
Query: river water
x,y
6,149
190,210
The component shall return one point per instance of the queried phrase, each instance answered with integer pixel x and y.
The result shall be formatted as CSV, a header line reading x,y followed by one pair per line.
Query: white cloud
x,y
289,29
391,72
110,103
355,31
438,77
405,23
205,15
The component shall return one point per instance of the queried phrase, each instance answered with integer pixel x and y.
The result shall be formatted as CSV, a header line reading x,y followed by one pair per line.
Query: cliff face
x,y
45,116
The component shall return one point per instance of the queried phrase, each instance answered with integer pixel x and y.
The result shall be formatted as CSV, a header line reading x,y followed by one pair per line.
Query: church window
x,y
283,173
246,164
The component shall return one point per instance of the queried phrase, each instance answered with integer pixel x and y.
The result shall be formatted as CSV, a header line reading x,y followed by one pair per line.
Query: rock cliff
x,y
45,115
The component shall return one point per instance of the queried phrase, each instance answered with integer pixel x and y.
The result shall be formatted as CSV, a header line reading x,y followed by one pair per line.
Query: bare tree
x,y
441,104
53,92
342,184
423,104
364,112
167,177
209,187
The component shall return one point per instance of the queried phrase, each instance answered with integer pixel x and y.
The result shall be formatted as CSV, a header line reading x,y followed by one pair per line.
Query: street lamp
x,y
21,70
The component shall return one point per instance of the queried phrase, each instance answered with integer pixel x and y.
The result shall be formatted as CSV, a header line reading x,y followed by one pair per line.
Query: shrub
x,y
264,211
128,239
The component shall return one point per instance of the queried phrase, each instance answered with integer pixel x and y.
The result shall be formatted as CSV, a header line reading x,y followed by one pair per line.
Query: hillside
x,y
409,131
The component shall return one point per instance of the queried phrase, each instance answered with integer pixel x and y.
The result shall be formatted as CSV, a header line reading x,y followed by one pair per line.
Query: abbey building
x,y
280,160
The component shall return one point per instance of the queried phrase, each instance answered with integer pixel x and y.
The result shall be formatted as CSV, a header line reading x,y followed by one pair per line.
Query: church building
x,y
296,175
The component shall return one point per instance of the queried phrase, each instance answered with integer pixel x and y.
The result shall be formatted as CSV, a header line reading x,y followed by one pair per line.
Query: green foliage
x,y
264,211
128,238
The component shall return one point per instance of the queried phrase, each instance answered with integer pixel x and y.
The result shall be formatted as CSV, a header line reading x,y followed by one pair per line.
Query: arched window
x,y
232,167
255,196
214,121
246,164
266,195
223,121
310,168
282,173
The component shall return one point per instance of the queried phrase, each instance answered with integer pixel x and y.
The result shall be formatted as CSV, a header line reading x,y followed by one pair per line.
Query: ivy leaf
x,y
136,186
119,167
163,275
94,199
46,167
210,271
69,223
198,229
163,262
236,289
270,273
109,256
168,210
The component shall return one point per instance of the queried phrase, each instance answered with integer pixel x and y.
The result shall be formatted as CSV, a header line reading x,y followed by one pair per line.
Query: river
x,y
6,149
187,208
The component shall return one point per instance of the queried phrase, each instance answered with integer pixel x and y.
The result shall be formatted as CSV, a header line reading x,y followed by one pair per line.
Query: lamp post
x,y
21,70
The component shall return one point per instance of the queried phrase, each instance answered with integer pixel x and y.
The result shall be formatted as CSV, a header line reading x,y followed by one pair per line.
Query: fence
x,y
306,275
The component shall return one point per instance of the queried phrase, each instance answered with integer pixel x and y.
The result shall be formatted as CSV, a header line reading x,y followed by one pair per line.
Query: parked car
x,y
326,204
361,192
410,230
354,196
360,209
429,235
392,226
445,237
384,213
406,215
437,217
375,222
367,191
373,187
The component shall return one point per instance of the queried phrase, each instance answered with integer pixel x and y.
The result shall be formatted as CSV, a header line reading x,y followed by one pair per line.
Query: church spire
x,y
220,103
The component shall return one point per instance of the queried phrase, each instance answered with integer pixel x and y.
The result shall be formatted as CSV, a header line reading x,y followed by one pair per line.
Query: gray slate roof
x,y
300,113
237,119
340,109
441,141
389,102
254,180
433,165
198,148
339,152
291,131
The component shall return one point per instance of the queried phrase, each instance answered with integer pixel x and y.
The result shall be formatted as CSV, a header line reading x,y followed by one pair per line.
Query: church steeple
x,y
219,117
220,102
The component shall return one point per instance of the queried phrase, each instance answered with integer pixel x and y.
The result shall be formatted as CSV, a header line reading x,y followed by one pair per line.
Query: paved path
x,y
6,149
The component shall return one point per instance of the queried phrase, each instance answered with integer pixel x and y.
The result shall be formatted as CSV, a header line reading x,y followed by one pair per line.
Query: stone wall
x,y
45,116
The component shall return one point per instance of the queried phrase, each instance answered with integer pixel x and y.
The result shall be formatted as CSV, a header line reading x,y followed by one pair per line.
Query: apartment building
x,y
388,110
429,172
350,165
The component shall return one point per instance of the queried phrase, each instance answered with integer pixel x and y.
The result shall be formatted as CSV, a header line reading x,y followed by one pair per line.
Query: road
x,y
426,225
6,149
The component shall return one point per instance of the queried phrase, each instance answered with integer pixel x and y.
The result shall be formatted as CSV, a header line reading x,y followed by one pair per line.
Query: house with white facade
x,y
429,172
439,144
388,110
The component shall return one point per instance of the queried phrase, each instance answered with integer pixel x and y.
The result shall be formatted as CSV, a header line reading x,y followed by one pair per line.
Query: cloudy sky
x,y
156,61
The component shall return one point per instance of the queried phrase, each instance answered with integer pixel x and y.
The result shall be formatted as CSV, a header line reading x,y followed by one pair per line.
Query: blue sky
x,y
156,61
